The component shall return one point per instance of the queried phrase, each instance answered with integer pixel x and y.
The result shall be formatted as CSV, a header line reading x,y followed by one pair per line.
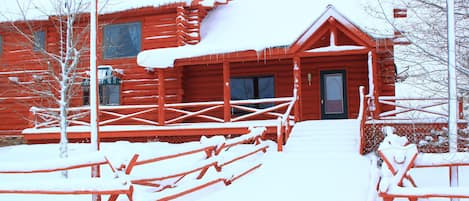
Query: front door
x,y
333,95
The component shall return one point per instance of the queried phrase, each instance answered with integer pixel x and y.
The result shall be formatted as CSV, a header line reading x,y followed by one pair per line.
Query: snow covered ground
x,y
320,162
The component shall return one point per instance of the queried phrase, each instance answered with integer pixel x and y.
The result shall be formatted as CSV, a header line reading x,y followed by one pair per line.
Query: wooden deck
x,y
174,132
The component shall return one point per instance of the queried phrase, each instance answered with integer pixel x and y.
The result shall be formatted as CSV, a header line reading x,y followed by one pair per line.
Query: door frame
x,y
343,115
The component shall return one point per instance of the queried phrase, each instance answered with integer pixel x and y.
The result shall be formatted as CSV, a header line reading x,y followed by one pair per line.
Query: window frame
x,y
106,44
103,90
41,44
256,91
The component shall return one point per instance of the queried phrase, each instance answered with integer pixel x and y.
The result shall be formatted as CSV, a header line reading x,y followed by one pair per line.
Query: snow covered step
x,y
321,150
310,142
324,136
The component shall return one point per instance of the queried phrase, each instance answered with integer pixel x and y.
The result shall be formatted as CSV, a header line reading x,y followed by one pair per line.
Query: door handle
x,y
322,101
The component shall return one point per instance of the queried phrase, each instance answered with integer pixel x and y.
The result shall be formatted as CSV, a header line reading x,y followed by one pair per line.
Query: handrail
x,y
284,123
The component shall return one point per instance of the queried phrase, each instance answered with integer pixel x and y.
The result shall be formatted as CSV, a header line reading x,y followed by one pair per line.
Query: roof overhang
x,y
330,18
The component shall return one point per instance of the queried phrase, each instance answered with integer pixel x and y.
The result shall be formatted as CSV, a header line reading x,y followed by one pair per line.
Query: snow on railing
x,y
187,177
113,186
95,158
283,128
400,158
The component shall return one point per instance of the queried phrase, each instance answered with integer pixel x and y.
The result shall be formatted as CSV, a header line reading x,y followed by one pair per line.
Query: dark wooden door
x,y
333,95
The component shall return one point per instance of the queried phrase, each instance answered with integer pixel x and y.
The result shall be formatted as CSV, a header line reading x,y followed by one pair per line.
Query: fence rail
x,y
228,157
414,106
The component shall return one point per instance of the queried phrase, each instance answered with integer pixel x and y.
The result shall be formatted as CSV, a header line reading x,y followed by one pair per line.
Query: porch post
x,y
161,97
375,82
297,87
372,82
226,92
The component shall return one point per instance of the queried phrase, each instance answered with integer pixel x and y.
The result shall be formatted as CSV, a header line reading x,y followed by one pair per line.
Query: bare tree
x,y
426,57
58,83
425,27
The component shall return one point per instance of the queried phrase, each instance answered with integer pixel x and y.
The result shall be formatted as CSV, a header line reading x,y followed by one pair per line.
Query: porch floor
x,y
147,132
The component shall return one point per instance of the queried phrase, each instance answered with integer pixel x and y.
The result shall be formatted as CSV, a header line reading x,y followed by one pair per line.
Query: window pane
x,y
113,94
334,94
39,40
266,87
242,88
122,40
86,94
103,98
266,90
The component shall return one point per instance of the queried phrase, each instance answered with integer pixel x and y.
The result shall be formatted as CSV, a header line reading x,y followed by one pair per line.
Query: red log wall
x,y
139,86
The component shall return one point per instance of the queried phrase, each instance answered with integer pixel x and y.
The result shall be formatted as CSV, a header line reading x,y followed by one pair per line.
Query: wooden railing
x,y
112,186
400,158
191,177
414,108
284,126
177,113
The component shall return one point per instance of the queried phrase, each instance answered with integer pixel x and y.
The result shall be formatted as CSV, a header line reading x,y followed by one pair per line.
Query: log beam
x,y
226,92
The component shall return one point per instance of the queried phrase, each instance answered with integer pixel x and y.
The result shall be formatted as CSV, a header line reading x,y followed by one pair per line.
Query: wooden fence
x,y
226,159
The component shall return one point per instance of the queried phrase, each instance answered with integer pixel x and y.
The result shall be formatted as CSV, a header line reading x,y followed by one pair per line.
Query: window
x,y
253,88
109,88
39,40
122,40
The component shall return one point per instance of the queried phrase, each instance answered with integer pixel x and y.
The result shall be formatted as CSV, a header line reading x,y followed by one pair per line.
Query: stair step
x,y
318,138
323,151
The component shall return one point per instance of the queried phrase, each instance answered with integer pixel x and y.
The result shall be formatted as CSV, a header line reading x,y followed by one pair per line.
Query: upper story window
x,y
109,87
122,40
243,88
39,40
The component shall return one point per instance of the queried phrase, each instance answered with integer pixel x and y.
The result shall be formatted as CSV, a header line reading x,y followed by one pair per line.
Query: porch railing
x,y
413,117
412,108
175,113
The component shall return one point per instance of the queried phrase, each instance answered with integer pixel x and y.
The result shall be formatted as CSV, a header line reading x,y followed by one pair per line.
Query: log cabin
x,y
176,70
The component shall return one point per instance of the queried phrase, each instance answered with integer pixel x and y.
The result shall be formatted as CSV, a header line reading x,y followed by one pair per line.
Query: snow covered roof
x,y
260,24
14,10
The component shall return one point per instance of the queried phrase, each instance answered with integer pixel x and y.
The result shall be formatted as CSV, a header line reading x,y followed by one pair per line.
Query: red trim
x,y
399,12
298,85
226,92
